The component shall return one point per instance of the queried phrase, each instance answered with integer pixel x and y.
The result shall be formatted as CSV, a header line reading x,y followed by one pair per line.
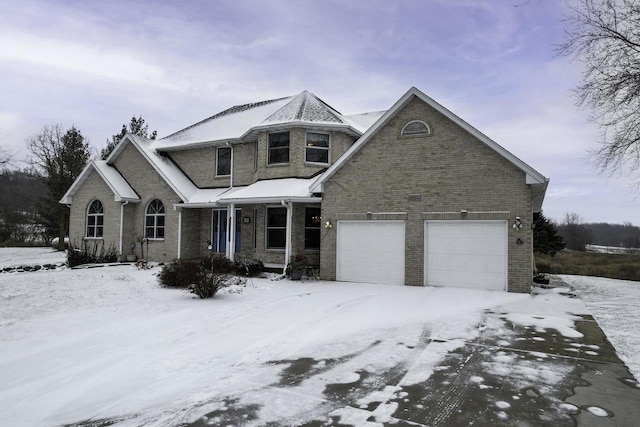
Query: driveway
x,y
520,369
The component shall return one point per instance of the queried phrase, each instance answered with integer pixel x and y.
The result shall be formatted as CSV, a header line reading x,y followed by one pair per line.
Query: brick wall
x,y
149,186
94,188
448,171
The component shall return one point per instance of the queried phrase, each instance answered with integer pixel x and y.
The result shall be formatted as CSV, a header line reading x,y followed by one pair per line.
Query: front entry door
x,y
219,230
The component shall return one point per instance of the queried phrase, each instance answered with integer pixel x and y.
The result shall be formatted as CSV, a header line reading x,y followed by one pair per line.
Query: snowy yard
x,y
110,343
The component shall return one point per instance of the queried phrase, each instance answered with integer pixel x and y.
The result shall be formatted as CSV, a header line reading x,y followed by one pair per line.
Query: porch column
x,y
287,248
179,232
121,227
231,240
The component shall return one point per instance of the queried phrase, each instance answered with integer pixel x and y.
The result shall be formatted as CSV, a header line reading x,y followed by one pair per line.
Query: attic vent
x,y
415,128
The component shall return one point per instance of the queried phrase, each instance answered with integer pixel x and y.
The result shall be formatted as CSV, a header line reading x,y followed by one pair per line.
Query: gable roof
x,y
243,122
122,191
163,165
533,177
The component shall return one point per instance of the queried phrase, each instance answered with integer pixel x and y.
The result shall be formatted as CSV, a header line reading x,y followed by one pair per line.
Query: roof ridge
x,y
232,110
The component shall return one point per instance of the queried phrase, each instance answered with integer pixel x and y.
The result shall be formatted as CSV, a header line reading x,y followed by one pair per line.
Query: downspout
x,y
287,247
231,229
122,225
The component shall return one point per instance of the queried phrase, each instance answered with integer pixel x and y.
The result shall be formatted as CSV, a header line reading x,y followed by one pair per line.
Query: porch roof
x,y
261,192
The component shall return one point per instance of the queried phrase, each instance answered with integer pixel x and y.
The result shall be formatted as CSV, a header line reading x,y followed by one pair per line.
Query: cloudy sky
x,y
94,64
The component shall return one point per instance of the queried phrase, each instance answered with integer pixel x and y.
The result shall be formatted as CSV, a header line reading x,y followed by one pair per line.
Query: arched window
x,y
415,128
154,220
95,219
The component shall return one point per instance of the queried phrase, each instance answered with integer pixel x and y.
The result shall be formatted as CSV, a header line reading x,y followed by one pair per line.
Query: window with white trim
x,y
278,148
312,222
95,220
317,148
154,220
415,128
276,227
223,161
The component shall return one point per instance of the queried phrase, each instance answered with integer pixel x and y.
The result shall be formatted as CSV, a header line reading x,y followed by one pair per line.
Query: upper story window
x,y
415,128
278,148
95,219
317,148
223,161
154,220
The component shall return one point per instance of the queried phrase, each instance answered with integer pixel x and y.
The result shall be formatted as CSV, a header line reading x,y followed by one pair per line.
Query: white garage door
x,y
469,254
370,251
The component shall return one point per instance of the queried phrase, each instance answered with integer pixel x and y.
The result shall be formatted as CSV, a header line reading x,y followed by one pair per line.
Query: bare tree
x,y
57,159
574,232
5,158
605,36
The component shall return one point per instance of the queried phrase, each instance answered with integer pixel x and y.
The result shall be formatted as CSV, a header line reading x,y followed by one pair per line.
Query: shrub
x,y
180,274
90,252
217,263
207,284
249,267
199,271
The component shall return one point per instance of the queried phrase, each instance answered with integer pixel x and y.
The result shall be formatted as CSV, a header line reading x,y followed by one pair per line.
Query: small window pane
x,y
99,232
276,238
91,220
277,217
317,156
150,220
160,233
317,140
160,221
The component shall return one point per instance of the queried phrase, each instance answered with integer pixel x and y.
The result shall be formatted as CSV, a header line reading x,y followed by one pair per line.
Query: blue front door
x,y
219,230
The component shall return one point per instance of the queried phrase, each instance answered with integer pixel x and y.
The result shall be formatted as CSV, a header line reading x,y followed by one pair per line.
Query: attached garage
x,y
371,251
469,254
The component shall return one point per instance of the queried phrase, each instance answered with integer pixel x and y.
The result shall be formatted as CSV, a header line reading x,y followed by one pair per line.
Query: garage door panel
x,y
466,254
370,251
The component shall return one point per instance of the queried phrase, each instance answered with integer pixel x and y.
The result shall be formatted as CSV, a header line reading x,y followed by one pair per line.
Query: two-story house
x,y
412,195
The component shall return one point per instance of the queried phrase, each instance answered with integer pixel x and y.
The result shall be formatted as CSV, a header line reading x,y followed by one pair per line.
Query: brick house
x,y
412,195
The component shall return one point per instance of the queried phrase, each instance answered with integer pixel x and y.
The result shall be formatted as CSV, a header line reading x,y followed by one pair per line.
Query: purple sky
x,y
94,64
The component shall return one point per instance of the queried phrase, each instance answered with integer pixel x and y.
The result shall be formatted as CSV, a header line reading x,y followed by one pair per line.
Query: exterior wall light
x,y
517,224
327,225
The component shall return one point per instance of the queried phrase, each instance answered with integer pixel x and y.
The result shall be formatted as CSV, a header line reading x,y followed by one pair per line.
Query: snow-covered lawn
x,y
615,304
11,257
111,343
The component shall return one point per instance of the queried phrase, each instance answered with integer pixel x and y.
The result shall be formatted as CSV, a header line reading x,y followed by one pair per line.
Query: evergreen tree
x,y
137,126
546,239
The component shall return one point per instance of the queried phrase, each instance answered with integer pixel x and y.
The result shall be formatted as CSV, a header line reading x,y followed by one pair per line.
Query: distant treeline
x,y
576,236
20,224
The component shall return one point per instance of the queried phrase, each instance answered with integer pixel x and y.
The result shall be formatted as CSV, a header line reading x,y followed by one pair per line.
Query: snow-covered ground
x,y
11,257
615,304
111,343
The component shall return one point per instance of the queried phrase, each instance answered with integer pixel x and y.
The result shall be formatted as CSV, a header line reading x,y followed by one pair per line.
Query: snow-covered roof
x,y
266,191
230,124
534,178
121,189
162,164
243,122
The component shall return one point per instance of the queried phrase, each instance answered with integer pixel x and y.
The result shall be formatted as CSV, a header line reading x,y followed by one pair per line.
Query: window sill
x,y
275,165
93,238
324,165
154,239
